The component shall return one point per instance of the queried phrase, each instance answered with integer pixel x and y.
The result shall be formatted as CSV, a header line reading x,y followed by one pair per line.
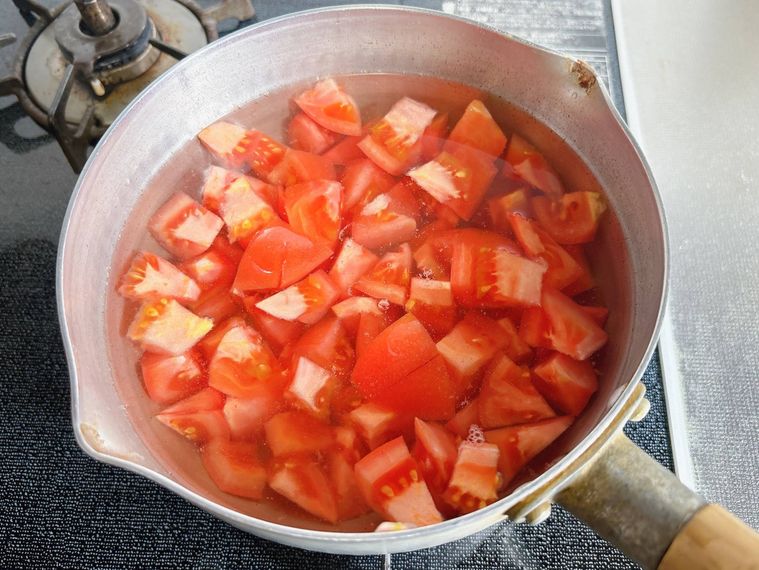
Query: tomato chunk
x,y
242,362
598,314
508,396
235,468
331,107
521,444
515,348
391,483
350,501
169,379
475,480
377,424
166,327
571,330
183,227
434,136
219,179
246,416
345,152
151,277
431,302
224,141
304,482
307,301
472,343
390,277
350,310
244,211
297,432
435,453
567,383
306,134
477,128
363,181
198,418
370,325
585,282
524,160
388,219
464,419
312,387
313,209
394,142
353,261
209,269
500,207
573,218
300,166
328,345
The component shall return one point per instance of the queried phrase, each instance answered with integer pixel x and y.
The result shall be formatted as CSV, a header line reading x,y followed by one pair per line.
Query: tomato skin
x,y
166,327
585,281
346,151
573,218
363,181
598,314
313,209
567,383
370,325
306,134
297,432
183,227
234,467
198,417
435,453
302,480
152,277
168,379
353,261
475,480
299,166
389,278
477,129
331,107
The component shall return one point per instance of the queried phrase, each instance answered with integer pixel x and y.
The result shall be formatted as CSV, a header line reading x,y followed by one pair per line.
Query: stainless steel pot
x,y
598,474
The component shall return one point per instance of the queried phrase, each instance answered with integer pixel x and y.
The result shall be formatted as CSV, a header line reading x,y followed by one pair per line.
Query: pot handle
x,y
643,509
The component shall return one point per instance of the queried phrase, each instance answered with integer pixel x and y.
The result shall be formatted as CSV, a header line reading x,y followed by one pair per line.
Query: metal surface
x,y
289,51
630,500
97,16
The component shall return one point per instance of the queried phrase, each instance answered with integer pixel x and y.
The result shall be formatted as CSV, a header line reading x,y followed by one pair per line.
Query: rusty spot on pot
x,y
586,77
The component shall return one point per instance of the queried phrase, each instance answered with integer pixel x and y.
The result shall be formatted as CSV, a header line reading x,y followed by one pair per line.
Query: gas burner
x,y
81,63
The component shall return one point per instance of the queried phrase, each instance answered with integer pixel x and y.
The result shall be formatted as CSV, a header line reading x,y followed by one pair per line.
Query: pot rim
x,y
493,511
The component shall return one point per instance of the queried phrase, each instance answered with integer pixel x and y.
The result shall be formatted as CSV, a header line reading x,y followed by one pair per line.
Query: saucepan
x,y
594,470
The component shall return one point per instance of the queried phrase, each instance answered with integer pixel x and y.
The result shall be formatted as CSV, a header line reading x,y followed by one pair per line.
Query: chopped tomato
x,y
464,419
235,468
246,416
166,327
198,418
169,379
385,220
350,501
508,396
331,107
244,211
350,310
261,152
278,257
471,343
307,301
521,444
457,177
276,332
428,264
312,387
348,443
183,227
501,206
241,363
527,235
353,261
567,383
346,151
435,453
328,345
363,181
475,480
210,268
527,163
392,485
431,302
585,281
313,209
303,481
208,344
151,277
215,303
571,219
533,327
224,141
219,179
571,330
389,278
394,142
299,166
515,348
598,314
477,129
370,325
397,351
434,136
206,400
297,432
486,271
306,134
377,424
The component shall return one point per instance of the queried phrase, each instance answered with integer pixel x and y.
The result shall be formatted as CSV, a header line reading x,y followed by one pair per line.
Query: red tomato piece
x,y
391,483
508,396
571,330
533,327
431,302
567,383
370,325
350,501
598,314
313,209
394,142
307,301
166,327
516,348
486,271
331,107
151,277
348,443
303,481
198,418
345,152
210,268
312,387
472,343
224,141
435,453
216,303
571,219
477,128
219,179
521,444
434,136
397,351
353,261
475,480
235,468
328,345
380,224
389,279
246,416
241,363
169,379
306,134
585,282
500,207
464,419
457,177
244,211
300,166
527,163
377,424
183,227
527,235
428,264
363,181
297,432
350,310
276,332
206,400
208,344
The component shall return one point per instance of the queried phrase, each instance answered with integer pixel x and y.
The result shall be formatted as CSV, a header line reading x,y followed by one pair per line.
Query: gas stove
x,y
82,62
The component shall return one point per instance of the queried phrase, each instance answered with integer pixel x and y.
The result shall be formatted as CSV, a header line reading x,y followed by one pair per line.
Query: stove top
x,y
63,509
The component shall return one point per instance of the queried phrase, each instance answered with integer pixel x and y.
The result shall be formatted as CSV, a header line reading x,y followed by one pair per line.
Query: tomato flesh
x,y
389,278
353,261
183,227
313,209
567,383
307,301
573,218
246,416
471,343
312,387
306,134
235,468
377,424
475,480
363,181
431,302
327,344
524,161
299,166
297,432
331,107
166,327
169,379
435,453
477,128
304,482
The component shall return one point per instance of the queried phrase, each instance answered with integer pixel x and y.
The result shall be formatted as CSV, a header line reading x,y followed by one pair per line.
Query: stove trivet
x,y
82,62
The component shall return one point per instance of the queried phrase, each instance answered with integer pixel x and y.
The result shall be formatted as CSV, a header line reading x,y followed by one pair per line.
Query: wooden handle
x,y
713,539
